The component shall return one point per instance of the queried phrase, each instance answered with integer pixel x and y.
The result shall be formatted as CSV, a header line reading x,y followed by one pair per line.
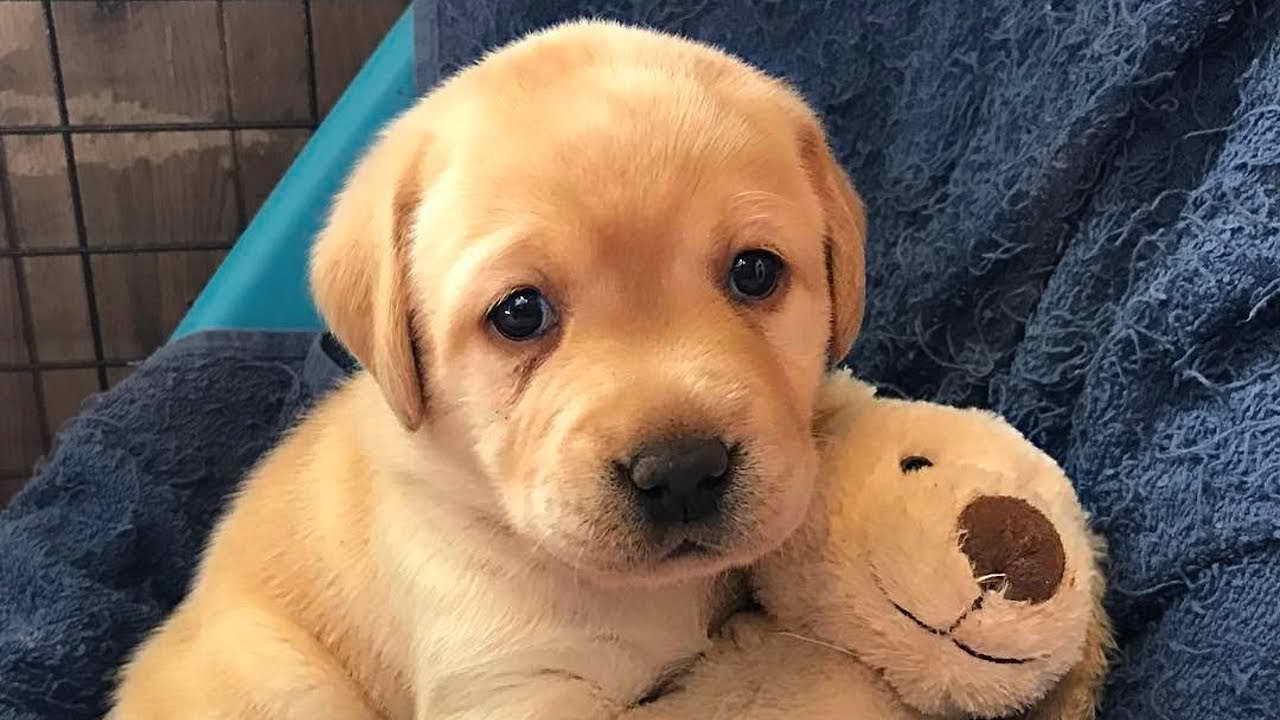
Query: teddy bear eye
x,y
912,463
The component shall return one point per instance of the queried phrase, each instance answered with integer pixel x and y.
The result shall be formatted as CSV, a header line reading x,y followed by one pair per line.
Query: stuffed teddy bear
x,y
945,570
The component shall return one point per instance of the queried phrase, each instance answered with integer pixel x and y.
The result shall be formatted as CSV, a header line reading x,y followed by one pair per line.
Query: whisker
x,y
813,641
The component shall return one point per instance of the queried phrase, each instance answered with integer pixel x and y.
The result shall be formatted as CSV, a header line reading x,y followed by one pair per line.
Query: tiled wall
x,y
137,138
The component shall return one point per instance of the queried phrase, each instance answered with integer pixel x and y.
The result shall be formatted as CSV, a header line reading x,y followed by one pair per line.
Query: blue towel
x,y
1075,213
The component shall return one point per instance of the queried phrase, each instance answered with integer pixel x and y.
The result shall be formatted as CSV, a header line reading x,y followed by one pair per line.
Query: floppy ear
x,y
845,223
360,267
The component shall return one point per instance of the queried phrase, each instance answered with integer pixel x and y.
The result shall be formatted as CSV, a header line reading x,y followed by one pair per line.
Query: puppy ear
x,y
845,222
360,267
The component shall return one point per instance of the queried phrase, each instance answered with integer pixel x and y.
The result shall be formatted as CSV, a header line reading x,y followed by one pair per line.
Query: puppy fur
x,y
446,536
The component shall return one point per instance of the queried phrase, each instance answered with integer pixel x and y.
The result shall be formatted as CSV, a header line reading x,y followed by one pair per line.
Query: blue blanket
x,y
1075,214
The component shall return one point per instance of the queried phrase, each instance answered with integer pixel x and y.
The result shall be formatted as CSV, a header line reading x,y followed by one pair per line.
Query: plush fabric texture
x,y
1075,221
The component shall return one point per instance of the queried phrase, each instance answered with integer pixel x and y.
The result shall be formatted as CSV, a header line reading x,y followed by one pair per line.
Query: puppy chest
x,y
617,646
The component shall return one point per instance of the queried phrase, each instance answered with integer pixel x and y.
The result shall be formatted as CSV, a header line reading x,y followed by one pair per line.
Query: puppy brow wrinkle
x,y
758,203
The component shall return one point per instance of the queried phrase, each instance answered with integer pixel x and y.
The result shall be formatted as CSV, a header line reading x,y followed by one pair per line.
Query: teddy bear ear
x,y
840,397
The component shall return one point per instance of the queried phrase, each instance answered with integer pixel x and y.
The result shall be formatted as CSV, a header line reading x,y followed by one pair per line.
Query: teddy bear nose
x,y
1008,538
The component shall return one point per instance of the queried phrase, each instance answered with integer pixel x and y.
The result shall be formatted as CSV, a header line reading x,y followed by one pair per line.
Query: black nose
x,y
681,480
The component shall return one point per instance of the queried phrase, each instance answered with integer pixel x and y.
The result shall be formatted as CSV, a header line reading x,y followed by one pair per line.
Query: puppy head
x,y
616,264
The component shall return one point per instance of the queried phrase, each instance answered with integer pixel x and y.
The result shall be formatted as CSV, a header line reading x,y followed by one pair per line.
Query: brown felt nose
x,y
1007,537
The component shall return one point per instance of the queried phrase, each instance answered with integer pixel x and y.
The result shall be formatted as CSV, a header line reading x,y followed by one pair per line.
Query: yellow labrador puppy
x,y
594,282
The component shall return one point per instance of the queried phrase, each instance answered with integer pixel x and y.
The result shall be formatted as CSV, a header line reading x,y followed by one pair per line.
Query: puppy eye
x,y
912,463
754,274
523,315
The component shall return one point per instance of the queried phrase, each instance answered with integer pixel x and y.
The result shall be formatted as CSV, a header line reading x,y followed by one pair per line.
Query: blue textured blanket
x,y
1075,220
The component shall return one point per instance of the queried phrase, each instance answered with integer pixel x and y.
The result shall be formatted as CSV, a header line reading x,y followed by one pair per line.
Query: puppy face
x,y
615,263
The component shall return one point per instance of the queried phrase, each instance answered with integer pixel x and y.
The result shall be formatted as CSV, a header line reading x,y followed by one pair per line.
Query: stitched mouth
x,y
988,658
947,634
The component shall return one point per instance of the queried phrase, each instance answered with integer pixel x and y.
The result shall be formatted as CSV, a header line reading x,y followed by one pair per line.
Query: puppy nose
x,y
1010,542
681,480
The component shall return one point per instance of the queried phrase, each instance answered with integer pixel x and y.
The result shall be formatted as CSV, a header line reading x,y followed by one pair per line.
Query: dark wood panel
x,y
267,59
149,188
13,346
26,75
9,486
20,439
157,62
59,307
143,296
64,392
42,214
344,34
115,375
264,156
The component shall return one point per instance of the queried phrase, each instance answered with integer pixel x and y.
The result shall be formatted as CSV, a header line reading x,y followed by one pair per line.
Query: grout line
x,y
68,128
237,185
114,249
309,32
24,302
77,205
66,365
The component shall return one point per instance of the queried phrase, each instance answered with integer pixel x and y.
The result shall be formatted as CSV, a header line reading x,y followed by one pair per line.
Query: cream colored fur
x,y
445,536
836,647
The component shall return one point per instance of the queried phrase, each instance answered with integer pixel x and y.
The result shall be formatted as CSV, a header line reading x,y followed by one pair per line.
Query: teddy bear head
x,y
945,551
